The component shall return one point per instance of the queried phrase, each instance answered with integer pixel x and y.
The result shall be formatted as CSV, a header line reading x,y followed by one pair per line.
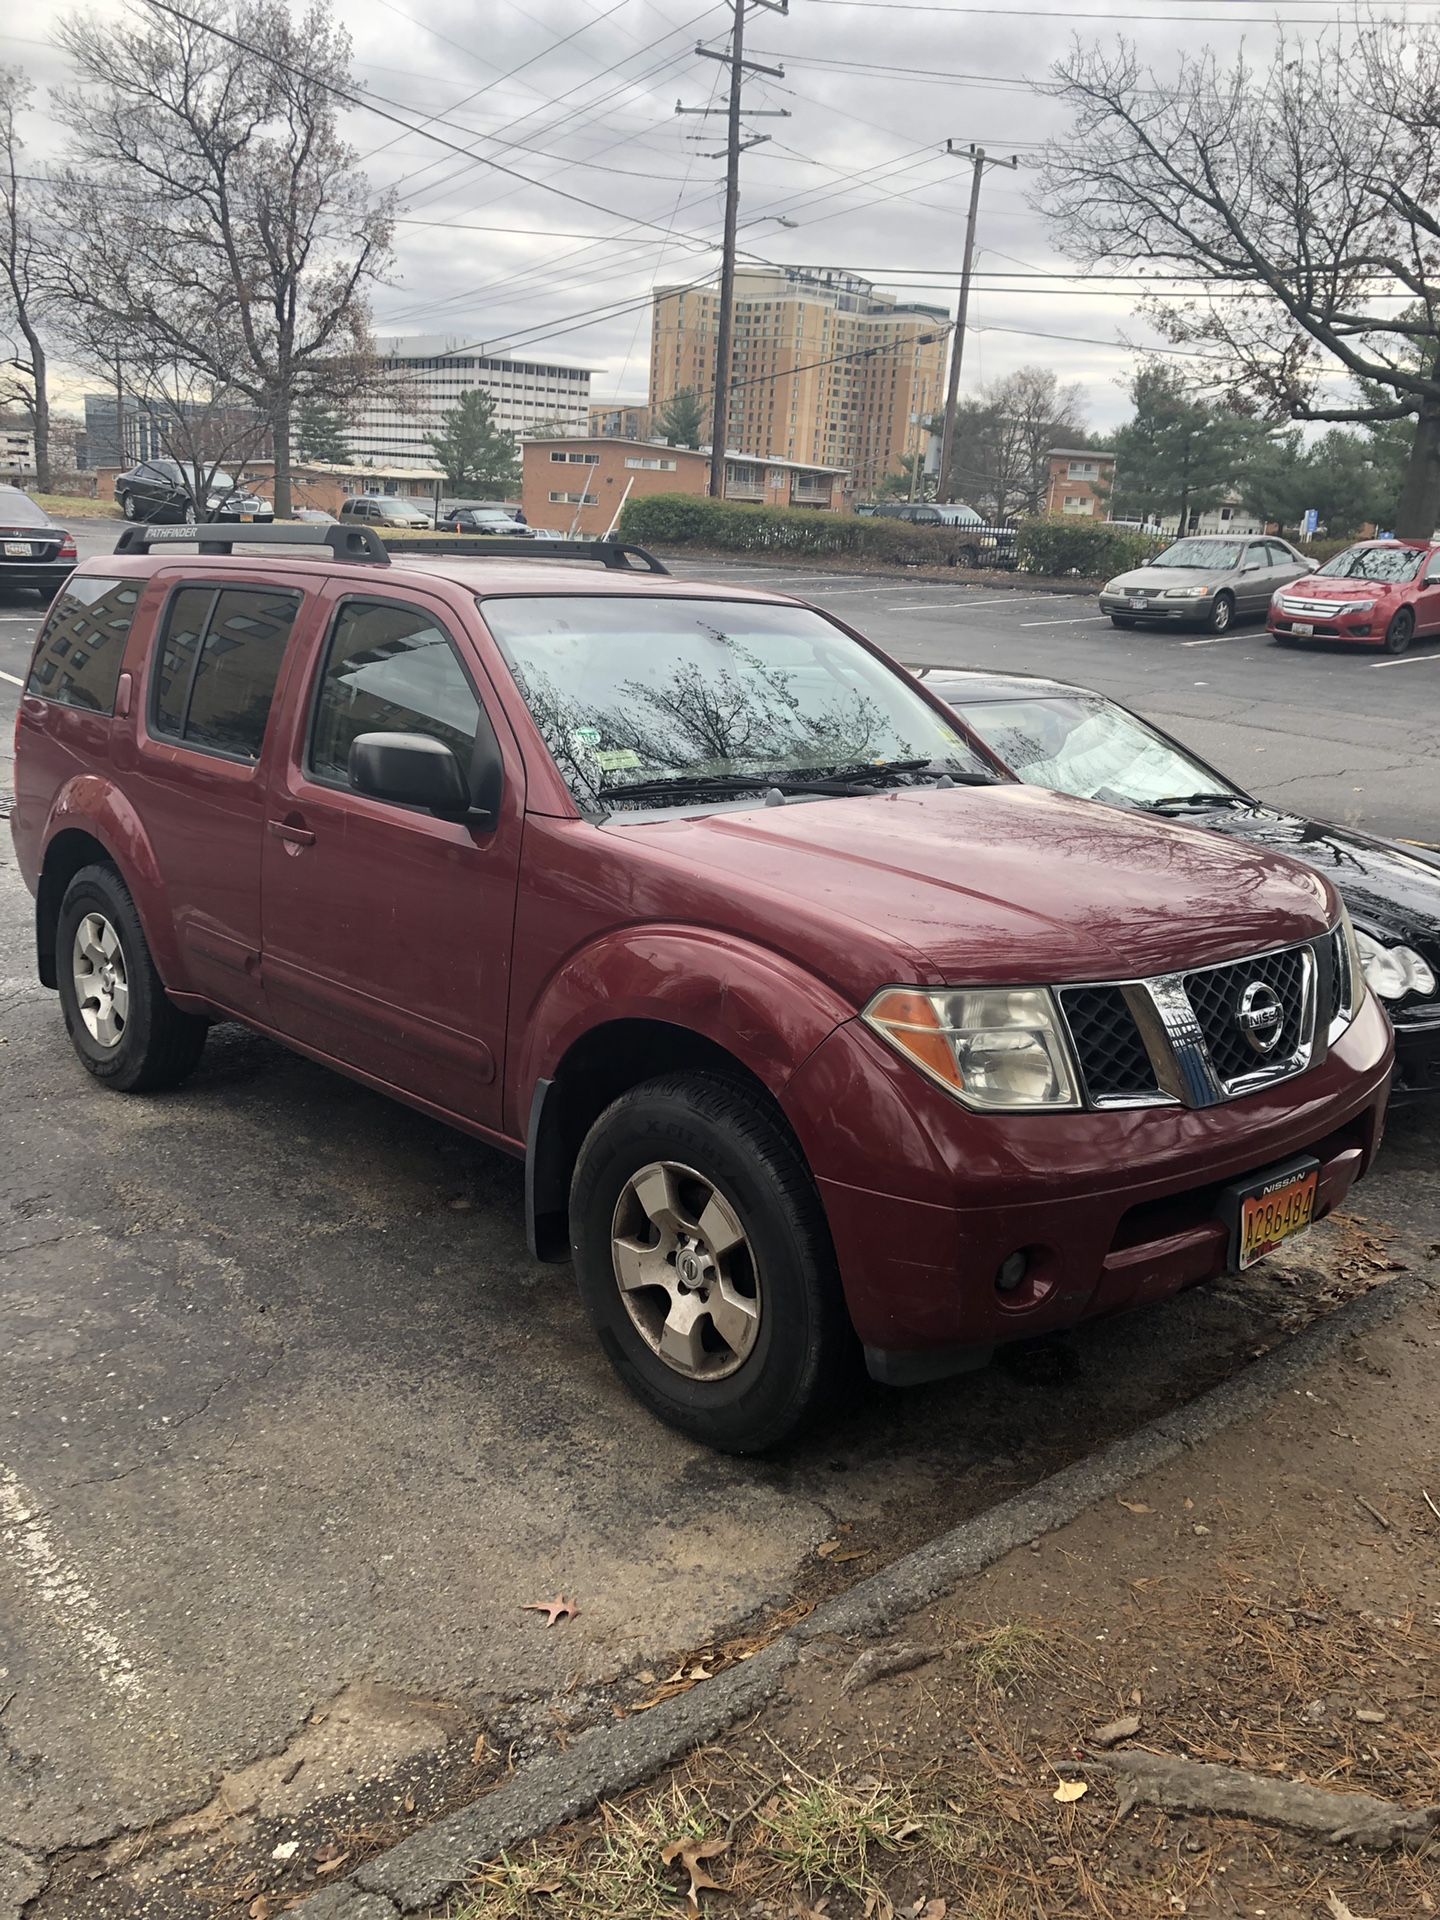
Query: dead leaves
x,y
837,1552
692,1855
1133,1506
557,1609
1069,1790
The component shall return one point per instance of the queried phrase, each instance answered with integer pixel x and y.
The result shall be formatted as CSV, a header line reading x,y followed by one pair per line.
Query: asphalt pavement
x,y
285,1406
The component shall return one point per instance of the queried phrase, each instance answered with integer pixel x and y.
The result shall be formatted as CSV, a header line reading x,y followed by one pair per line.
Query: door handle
x,y
295,836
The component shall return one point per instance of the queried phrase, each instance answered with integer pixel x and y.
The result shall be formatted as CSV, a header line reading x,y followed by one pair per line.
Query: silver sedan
x,y
1208,580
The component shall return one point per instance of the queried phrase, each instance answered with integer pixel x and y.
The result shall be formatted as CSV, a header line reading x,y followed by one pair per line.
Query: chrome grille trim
x,y
1173,1036
1314,609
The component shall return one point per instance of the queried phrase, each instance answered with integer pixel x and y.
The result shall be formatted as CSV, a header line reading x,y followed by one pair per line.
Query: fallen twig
x,y
876,1662
1431,1504
1374,1512
1195,1786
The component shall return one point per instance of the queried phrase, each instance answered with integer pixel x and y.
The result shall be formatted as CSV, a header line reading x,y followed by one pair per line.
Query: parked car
x,y
497,507
316,516
164,490
984,546
485,520
1208,580
385,510
1072,740
1378,594
817,1034
35,551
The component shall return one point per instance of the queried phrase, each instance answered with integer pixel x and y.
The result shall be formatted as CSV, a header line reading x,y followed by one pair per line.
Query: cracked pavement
x,y
286,1408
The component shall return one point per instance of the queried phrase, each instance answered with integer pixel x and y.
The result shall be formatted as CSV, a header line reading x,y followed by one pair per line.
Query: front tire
x,y
121,1022
1121,620
1401,631
704,1261
1222,613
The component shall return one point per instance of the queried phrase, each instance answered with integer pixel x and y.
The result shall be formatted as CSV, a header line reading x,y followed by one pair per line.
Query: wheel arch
x,y
94,825
597,1068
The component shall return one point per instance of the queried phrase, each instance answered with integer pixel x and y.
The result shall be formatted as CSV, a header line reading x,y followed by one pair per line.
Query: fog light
x,y
1012,1271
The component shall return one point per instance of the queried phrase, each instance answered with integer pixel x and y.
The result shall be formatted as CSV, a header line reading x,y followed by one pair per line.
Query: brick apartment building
x,y
578,483
620,420
826,368
1080,482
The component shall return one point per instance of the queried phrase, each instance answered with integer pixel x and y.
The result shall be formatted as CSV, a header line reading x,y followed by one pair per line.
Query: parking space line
x,y
13,678
1004,600
60,1588
1216,640
1084,620
1409,660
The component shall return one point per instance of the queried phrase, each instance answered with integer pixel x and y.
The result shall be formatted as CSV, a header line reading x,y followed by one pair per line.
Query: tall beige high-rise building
x,y
826,368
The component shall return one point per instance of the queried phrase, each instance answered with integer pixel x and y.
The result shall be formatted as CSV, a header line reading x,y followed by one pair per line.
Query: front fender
x,y
763,1009
93,805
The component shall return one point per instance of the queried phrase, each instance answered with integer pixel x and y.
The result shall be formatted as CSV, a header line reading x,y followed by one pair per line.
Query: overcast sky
x,y
580,95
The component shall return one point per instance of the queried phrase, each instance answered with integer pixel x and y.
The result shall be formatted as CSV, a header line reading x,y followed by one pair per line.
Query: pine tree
x,y
474,452
320,434
682,419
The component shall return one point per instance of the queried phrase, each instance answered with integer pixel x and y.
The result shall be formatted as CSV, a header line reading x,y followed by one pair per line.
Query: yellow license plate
x,y
1276,1212
247,518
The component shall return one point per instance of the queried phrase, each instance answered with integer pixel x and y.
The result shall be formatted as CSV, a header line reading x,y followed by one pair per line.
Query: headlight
x,y
997,1049
1392,972
1187,593
1358,606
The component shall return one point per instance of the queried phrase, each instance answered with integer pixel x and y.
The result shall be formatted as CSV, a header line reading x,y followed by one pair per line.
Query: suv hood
x,y
1005,884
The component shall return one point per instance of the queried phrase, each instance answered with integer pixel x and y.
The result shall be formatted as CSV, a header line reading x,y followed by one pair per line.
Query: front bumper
x,y
1180,612
1417,1052
1112,1209
1359,629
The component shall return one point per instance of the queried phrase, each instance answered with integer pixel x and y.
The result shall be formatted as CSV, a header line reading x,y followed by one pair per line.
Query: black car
x,y
34,550
1076,741
977,543
162,489
485,520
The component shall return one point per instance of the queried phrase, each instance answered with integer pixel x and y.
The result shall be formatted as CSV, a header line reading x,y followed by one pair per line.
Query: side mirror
x,y
412,770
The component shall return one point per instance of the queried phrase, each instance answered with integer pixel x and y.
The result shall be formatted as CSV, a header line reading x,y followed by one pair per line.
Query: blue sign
x,y
1309,524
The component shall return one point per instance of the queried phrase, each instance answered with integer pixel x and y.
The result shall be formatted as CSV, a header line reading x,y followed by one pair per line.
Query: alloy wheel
x,y
1221,614
685,1271
102,987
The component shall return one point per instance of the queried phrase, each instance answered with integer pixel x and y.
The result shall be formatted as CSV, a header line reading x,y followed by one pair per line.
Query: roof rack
x,y
618,555
357,543
363,545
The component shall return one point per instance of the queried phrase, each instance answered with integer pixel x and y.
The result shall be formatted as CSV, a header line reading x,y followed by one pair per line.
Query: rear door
x,y
198,780
388,931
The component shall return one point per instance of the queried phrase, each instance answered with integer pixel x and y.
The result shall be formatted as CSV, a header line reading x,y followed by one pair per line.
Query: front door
x,y
1257,577
388,931
1427,600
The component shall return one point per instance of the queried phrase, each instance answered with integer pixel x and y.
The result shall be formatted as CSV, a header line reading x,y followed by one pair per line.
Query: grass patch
x,y
1006,1655
76,505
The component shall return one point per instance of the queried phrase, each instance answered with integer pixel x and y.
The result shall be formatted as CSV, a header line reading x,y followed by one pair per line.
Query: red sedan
x,y
1381,593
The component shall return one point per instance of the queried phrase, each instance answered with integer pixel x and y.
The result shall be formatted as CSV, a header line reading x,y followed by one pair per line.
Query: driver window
x,y
1432,571
389,669
1257,554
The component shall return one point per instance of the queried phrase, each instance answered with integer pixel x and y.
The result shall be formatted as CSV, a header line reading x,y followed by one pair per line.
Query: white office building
x,y
431,372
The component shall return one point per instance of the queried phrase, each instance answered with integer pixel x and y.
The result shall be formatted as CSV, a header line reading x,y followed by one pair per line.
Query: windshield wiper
x,y
882,769
718,783
1198,800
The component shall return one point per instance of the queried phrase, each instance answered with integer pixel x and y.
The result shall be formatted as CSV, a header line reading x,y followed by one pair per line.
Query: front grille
x,y
1108,1046
1216,993
1311,609
1186,1037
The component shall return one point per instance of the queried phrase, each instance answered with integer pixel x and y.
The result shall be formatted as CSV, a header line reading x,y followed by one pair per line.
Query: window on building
x,y
1082,470
575,499
1082,503
653,466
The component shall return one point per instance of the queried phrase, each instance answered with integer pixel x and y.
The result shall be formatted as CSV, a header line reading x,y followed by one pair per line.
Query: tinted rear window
x,y
19,510
217,665
78,655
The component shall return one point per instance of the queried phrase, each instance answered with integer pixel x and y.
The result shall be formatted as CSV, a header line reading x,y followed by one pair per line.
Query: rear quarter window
x,y
82,644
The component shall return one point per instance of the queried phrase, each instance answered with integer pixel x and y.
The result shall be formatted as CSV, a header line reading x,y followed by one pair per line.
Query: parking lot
x,y
285,1406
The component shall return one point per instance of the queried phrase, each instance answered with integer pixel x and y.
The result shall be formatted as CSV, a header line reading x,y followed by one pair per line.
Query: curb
x,y
1003,580
419,1871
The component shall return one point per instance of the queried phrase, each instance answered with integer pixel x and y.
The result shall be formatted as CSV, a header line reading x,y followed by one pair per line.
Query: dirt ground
x,y
1270,1603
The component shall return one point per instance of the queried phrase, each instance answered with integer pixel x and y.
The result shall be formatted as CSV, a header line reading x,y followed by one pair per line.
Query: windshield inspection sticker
x,y
584,736
616,759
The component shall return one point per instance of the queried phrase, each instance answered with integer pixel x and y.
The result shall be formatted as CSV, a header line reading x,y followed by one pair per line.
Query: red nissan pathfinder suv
x,y
817,1034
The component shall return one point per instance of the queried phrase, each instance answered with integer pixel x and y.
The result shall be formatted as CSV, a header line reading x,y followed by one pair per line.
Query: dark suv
x,y
816,1035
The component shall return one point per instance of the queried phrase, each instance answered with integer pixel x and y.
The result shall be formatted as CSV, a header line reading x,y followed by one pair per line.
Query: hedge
x,y
1090,548
683,519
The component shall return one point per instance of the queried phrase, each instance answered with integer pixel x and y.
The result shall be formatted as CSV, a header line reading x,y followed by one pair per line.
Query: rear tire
x,y
127,506
741,1336
1401,631
125,1028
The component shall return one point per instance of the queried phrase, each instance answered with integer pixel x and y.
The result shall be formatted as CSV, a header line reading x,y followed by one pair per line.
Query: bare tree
x,y
217,212
1303,196
1004,437
24,257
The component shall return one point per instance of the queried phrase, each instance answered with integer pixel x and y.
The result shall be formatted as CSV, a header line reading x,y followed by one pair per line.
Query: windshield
x,y
1214,556
1082,744
629,691
1373,563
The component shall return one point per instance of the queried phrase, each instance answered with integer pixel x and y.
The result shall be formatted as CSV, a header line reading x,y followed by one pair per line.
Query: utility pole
x,y
979,160
734,146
